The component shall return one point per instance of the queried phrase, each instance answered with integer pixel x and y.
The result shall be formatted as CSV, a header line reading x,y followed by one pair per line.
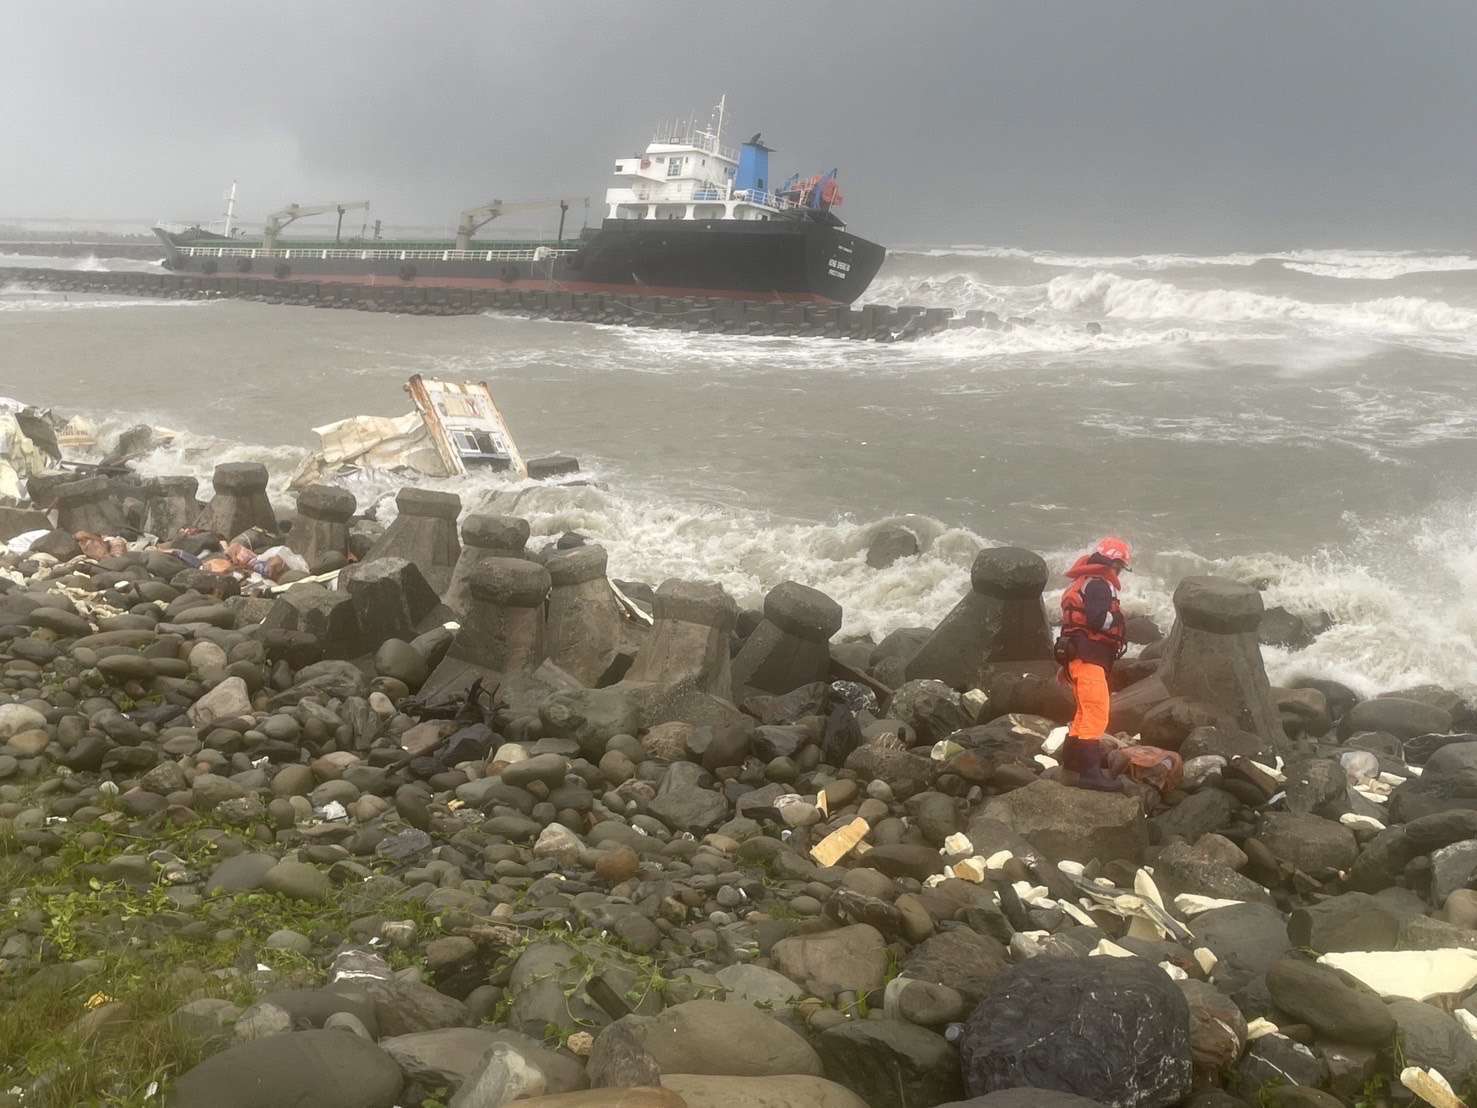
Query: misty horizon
x,y
1049,126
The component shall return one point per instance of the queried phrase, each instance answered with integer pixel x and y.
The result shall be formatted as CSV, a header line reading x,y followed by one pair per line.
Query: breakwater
x,y
877,322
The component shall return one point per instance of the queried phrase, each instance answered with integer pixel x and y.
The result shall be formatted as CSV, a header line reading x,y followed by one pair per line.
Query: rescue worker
x,y
1092,639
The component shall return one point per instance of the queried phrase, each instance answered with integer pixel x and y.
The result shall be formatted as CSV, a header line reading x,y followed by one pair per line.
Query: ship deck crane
x,y
293,212
474,219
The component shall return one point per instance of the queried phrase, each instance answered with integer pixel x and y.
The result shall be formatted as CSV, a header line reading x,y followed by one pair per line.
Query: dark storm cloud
x,y
1146,125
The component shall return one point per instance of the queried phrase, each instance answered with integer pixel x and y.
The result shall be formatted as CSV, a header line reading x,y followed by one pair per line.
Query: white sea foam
x,y
1147,298
1369,265
89,263
25,300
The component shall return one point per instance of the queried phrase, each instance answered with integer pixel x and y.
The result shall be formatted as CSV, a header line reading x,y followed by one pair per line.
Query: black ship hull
x,y
804,257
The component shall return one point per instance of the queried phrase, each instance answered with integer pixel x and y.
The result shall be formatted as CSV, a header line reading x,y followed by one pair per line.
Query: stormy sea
x,y
1303,419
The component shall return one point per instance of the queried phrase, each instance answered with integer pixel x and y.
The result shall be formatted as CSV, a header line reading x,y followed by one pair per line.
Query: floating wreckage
x,y
36,441
456,427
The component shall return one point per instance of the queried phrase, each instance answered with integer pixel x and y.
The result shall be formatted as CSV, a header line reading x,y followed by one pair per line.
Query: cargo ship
x,y
690,216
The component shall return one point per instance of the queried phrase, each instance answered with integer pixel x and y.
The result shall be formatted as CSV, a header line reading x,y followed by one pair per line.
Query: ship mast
x,y
230,209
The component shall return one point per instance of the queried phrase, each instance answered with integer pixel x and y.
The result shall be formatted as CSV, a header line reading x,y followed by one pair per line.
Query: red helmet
x,y
1116,550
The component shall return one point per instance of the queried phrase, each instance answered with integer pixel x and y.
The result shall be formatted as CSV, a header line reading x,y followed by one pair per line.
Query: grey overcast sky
x,y
1092,124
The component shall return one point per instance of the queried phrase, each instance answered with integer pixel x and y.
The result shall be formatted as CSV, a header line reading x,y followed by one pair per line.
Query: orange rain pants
x,y
1090,684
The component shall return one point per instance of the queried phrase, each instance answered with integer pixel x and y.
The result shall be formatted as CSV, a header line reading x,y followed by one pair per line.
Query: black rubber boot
x,y
1086,759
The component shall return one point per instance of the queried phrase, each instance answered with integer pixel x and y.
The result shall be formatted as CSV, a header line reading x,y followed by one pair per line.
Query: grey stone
x,y
848,959
889,1063
709,1037
1115,1029
1317,996
327,1069
1074,824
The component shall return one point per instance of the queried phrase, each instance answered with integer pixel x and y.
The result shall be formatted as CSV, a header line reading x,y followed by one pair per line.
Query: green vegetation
x,y
115,960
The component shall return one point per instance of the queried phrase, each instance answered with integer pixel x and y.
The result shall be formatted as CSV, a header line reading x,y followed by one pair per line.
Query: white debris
x,y
1412,974
1392,779
1431,1087
971,869
1054,741
1044,762
1107,948
974,702
1077,913
1191,904
1143,884
996,862
1274,772
1031,894
1072,869
1258,1027
1353,819
1174,972
1371,794
333,812
1467,1020
958,843
1206,959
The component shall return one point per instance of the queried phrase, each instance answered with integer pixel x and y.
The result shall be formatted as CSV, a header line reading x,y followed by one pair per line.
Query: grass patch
x,y
125,957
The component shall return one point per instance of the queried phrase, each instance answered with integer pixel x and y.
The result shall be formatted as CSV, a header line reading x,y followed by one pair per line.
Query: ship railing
x,y
289,253
767,199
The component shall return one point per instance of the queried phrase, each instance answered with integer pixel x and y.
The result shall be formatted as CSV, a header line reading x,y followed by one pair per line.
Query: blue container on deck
x,y
753,167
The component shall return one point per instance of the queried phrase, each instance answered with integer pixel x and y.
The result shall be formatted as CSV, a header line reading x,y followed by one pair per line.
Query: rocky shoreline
x,y
299,808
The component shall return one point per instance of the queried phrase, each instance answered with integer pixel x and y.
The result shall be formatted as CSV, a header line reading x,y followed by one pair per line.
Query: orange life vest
x,y
1074,607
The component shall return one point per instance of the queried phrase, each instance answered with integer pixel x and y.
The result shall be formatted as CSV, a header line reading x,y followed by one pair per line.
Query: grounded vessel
x,y
690,216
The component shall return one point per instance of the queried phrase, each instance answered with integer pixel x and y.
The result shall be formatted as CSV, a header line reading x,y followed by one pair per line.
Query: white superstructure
x,y
686,172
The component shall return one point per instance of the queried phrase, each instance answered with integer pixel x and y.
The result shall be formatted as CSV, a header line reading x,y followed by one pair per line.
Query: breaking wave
x,y
1147,298
1367,265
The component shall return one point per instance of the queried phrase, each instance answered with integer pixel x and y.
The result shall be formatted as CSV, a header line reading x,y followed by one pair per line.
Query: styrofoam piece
x,y
1206,959
1028,892
1143,884
996,862
1430,1086
1412,974
1054,741
1175,973
1072,869
1107,948
1191,904
1467,1020
957,843
1045,762
1354,819
1258,1027
1077,913
1274,772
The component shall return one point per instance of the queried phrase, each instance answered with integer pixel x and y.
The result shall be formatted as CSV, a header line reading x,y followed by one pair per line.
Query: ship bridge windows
x,y
674,166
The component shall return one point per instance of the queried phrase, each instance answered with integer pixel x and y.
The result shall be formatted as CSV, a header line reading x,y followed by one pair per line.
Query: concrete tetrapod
x,y
584,620
240,501
790,647
322,528
89,505
1000,619
503,631
483,537
1212,656
689,639
170,505
423,533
